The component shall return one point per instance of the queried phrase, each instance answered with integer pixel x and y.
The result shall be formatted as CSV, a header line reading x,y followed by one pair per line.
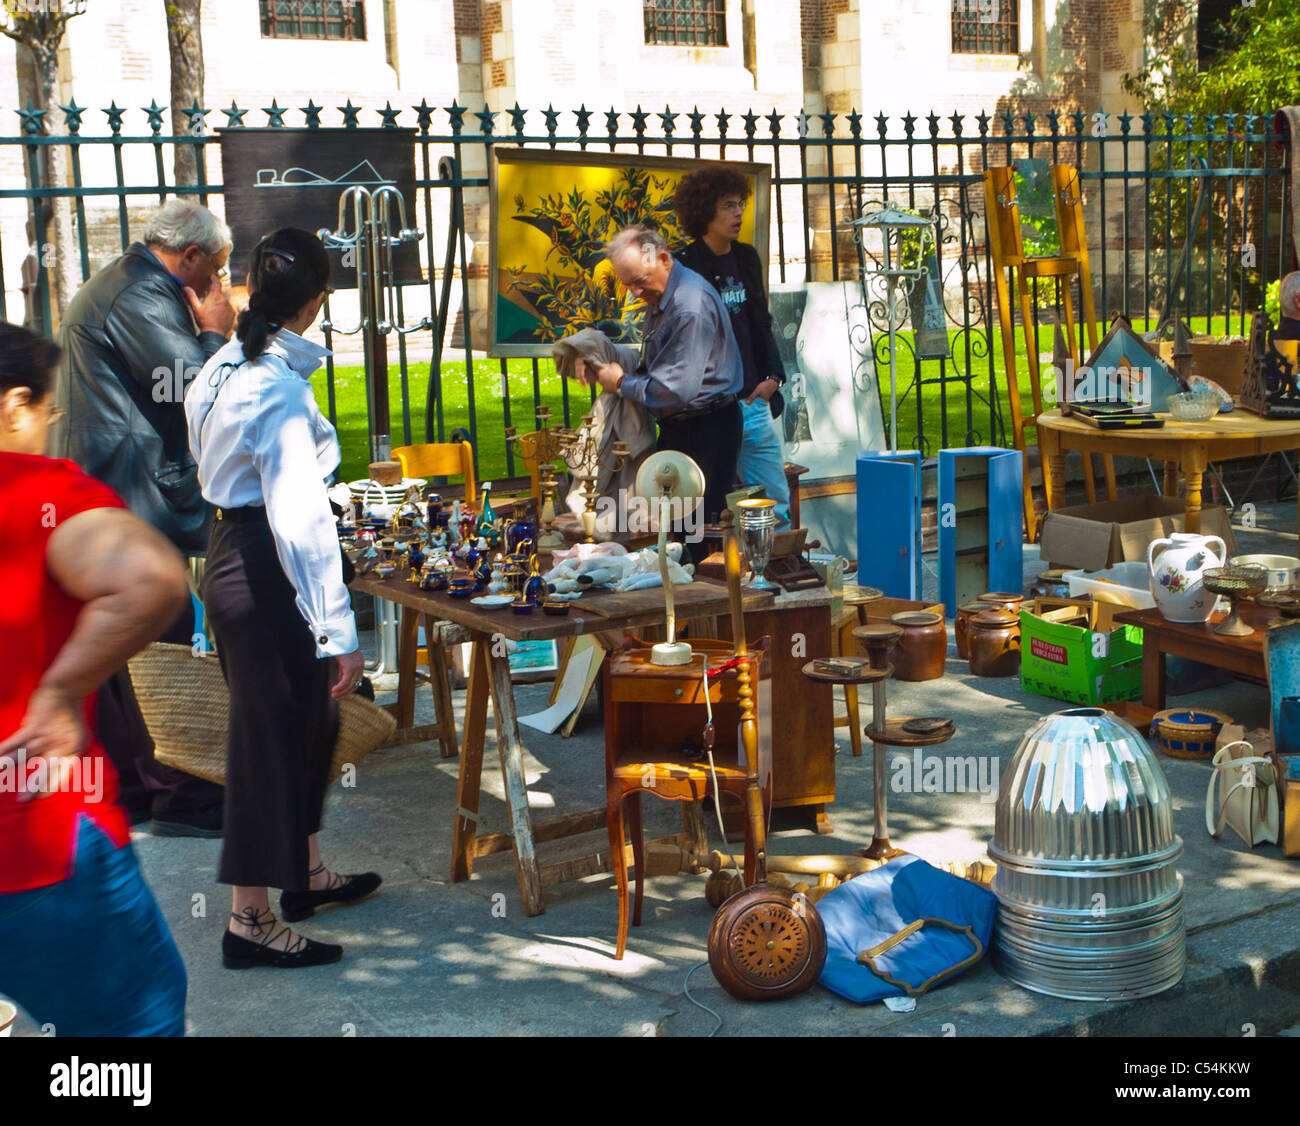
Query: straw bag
x,y
186,707
1247,794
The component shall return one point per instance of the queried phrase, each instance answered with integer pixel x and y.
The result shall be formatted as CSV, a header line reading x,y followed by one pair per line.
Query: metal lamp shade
x,y
1090,903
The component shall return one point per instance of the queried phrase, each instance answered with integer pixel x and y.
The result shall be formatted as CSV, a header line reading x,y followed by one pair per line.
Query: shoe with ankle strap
x,y
239,953
296,905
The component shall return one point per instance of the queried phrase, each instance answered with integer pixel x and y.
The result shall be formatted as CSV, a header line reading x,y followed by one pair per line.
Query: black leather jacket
x,y
129,348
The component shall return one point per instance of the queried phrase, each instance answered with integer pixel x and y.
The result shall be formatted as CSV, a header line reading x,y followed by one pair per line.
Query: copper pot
x,y
1051,584
994,641
923,646
961,624
1004,599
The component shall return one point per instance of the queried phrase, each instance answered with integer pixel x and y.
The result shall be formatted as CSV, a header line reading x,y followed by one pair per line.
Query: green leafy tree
x,y
1254,71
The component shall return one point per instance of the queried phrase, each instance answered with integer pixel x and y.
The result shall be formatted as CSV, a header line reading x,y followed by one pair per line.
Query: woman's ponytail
x,y
287,270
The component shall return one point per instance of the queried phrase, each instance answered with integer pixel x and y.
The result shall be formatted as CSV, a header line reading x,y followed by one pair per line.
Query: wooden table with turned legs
x,y
1186,447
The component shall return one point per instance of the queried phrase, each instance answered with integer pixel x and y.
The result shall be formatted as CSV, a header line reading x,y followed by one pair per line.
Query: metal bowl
x,y
1283,570
1089,898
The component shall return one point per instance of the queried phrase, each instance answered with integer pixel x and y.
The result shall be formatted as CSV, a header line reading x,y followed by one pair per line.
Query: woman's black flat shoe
x,y
296,905
239,953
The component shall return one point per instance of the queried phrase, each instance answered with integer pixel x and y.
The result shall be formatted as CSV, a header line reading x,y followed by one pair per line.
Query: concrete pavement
x,y
427,957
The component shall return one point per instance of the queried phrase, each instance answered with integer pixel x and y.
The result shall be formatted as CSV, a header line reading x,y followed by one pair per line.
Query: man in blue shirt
x,y
689,373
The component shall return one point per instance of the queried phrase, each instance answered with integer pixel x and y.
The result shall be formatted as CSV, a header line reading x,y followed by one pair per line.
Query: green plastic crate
x,y
1078,664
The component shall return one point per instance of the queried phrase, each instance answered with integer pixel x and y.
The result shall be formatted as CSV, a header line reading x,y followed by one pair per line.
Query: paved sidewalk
x,y
426,957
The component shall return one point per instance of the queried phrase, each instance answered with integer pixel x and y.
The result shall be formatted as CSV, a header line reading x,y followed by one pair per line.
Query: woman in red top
x,y
83,946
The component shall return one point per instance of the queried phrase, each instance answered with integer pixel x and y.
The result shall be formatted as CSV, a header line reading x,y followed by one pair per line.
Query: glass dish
x,y
1193,406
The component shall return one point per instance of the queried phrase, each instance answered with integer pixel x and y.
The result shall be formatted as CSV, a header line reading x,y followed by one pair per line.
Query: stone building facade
x,y
787,56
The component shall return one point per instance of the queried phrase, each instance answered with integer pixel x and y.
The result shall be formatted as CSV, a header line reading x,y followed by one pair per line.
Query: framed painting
x,y
552,213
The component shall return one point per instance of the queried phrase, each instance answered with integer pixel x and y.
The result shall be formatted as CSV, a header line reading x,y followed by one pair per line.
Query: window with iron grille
x,y
695,23
313,19
986,27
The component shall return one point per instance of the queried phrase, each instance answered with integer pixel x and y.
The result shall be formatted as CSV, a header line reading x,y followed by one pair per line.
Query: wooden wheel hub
x,y
765,945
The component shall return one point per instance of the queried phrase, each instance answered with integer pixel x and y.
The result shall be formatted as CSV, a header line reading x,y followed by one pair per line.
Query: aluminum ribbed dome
x,y
1089,899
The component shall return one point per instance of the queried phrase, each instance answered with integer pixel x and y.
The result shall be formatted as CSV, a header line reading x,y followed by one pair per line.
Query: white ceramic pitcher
x,y
1176,575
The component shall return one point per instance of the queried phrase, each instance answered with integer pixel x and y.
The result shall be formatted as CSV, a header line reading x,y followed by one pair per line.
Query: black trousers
x,y
146,785
283,723
713,440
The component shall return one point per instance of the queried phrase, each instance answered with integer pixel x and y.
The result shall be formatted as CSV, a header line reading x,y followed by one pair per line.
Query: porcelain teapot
x,y
1176,575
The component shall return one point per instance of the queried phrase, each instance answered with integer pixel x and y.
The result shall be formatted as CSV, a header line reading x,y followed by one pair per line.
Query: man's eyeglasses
x,y
57,413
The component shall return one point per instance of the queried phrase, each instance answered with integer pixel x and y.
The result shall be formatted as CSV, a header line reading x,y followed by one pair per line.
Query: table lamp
x,y
669,475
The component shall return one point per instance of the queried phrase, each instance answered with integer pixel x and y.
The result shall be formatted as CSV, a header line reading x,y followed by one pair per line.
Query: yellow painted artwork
x,y
552,213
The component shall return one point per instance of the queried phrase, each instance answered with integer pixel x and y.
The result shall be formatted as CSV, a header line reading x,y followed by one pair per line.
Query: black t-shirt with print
x,y
723,271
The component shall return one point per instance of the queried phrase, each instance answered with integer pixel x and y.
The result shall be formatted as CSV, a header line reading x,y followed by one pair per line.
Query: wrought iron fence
x,y
1186,213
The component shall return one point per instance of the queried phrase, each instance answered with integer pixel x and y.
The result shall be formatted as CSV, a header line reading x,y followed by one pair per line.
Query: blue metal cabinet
x,y
980,531
889,522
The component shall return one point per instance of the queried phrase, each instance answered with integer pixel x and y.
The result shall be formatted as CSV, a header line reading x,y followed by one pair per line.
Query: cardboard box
x,y
1096,536
1226,364
1075,660
882,609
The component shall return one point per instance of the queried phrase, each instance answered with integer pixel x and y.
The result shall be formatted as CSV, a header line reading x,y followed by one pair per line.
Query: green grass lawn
x,y
489,401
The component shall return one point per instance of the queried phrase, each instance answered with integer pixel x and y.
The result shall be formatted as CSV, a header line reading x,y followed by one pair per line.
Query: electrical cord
x,y
686,986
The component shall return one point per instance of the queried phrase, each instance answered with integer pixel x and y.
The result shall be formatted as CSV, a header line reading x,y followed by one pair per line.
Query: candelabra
x,y
542,446
581,453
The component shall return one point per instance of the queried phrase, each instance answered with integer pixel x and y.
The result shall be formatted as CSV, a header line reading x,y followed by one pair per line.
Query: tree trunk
x,y
185,44
65,276
1040,42
40,28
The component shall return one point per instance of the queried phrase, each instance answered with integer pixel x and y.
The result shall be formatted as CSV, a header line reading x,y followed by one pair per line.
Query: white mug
x,y
8,1014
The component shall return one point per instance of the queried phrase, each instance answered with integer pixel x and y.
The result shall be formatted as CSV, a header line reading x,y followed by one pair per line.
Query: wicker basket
x,y
1187,732
186,707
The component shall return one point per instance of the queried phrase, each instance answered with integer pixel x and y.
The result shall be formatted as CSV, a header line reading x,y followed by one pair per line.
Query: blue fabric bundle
x,y
917,926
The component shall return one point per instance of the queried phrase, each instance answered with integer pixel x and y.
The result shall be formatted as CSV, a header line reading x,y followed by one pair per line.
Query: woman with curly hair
x,y
710,206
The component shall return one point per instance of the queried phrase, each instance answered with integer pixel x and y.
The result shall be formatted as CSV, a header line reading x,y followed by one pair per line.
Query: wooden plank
x,y
470,780
512,772
555,829
564,871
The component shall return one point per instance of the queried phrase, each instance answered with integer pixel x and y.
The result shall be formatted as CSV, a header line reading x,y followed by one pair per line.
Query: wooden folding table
x,y
608,614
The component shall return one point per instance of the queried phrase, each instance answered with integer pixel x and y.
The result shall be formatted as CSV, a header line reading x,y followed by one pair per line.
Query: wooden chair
x,y
434,459
440,459
651,713
1013,268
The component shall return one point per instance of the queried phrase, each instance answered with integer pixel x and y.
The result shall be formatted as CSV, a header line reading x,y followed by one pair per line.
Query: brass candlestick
x,y
581,454
543,446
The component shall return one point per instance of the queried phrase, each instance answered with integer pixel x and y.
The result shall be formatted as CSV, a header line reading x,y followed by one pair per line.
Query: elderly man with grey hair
x,y
689,372
132,337
1289,302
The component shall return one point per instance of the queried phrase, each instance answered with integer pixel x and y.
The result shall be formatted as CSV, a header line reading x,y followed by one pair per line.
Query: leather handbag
x,y
1247,801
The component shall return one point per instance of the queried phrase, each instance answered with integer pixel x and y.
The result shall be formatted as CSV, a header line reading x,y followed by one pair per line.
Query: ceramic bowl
x,y
1283,570
1193,406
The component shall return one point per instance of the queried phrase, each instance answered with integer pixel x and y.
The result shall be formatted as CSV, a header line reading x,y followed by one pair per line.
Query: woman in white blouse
x,y
274,594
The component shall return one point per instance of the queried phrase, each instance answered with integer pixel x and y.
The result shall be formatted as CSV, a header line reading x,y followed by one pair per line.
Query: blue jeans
x,y
92,955
761,461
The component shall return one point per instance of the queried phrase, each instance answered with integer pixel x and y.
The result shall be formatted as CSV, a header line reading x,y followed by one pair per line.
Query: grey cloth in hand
x,y
616,419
